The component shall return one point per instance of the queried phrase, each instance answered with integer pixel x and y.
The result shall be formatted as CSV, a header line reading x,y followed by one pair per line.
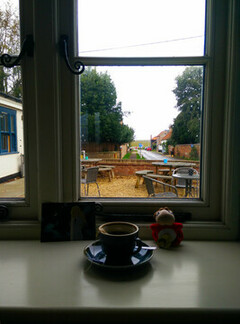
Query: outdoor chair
x,y
168,191
90,177
181,183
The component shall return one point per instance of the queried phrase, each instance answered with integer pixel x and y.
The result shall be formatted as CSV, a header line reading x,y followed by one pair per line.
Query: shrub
x,y
194,154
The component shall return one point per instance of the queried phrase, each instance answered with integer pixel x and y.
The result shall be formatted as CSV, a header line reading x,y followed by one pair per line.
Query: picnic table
x,y
108,170
102,169
91,161
139,175
164,178
171,164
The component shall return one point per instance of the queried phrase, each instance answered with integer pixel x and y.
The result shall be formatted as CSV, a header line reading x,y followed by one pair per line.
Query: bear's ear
x,y
155,215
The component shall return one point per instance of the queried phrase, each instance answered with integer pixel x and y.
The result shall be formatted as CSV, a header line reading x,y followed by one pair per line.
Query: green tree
x,y
101,115
10,79
186,126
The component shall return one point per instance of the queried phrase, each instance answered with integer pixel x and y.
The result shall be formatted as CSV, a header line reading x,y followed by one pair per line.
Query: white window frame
x,y
52,144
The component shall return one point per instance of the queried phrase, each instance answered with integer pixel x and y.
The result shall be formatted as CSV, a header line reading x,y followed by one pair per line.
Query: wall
x,y
105,150
101,147
184,150
129,167
10,164
104,155
124,150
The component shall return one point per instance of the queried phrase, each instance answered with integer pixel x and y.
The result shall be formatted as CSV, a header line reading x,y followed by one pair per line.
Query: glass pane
x,y
138,28
4,140
138,121
12,163
12,124
4,122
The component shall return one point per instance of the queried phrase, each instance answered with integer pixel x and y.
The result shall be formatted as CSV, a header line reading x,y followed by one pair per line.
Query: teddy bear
x,y
166,232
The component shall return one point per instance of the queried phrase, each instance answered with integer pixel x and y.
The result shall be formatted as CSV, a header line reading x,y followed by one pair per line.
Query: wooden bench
x,y
163,171
160,177
139,175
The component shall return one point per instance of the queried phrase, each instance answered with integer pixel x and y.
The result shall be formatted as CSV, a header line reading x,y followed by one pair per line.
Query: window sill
x,y
54,282
9,153
30,230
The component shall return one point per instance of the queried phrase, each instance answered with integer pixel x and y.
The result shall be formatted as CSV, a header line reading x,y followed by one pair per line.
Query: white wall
x,y
9,164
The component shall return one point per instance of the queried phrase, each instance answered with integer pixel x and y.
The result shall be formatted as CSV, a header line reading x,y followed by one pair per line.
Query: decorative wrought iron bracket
x,y
78,65
27,47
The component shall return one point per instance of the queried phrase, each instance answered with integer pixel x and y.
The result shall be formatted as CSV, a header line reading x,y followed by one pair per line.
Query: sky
x,y
138,28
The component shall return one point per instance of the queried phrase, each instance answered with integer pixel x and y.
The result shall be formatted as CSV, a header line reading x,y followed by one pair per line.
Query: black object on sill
x,y
68,221
63,47
4,215
27,47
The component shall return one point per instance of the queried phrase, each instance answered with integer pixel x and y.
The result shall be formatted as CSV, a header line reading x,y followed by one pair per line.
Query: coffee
x,y
117,233
119,239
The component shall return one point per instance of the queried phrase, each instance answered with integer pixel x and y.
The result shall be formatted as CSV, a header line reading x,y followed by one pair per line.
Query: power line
x,y
138,45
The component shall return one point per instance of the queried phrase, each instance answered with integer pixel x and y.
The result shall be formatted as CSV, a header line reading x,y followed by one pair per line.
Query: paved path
x,y
149,155
13,189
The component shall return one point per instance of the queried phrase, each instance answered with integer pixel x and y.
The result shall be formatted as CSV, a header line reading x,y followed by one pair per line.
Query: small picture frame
x,y
68,221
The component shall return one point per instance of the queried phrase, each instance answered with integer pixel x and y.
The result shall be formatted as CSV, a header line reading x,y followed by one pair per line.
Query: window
x,y
8,131
51,115
139,100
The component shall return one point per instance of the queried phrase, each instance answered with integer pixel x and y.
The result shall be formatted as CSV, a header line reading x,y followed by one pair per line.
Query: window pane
x,y
139,28
4,122
139,121
11,111
12,124
4,139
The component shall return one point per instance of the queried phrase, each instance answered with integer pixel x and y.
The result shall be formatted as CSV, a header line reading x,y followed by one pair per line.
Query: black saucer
x,y
96,256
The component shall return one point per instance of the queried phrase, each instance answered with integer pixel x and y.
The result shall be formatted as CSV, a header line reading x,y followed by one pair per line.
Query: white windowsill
x,y
30,230
54,283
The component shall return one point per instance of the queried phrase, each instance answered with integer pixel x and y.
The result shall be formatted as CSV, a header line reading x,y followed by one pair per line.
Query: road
x,y
148,155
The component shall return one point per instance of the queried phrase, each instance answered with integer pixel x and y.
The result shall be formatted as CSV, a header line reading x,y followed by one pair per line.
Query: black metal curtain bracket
x,y
63,47
27,47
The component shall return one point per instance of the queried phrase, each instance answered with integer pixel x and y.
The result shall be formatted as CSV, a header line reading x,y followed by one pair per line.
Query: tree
x,y
186,126
10,79
101,115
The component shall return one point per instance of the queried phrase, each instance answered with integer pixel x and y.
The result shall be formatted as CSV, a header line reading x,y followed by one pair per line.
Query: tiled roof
x,y
169,135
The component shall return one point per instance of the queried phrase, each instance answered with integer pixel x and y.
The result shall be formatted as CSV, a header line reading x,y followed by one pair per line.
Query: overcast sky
x,y
143,28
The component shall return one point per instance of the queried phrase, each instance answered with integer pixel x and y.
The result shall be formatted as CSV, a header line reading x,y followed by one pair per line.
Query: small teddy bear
x,y
165,231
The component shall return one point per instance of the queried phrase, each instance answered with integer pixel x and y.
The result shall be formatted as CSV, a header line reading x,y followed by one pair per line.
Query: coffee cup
x,y
119,240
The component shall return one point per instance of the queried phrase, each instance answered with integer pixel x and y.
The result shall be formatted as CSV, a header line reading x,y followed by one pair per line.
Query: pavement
x,y
13,188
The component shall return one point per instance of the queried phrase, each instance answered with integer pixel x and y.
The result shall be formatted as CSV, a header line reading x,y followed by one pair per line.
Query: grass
x,y
127,156
139,157
143,142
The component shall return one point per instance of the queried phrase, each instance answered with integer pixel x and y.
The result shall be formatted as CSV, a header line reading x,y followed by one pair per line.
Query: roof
x,y
4,95
161,135
168,136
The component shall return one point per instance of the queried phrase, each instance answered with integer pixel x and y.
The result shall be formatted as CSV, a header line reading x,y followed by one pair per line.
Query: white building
x,y
11,137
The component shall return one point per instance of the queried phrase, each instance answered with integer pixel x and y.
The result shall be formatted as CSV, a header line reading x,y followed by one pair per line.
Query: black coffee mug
x,y
119,240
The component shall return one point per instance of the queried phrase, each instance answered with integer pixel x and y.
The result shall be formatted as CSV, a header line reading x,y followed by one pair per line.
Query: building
x,y
11,137
159,138
165,139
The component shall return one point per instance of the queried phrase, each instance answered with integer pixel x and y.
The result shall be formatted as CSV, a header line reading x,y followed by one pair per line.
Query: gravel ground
x,y
119,187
